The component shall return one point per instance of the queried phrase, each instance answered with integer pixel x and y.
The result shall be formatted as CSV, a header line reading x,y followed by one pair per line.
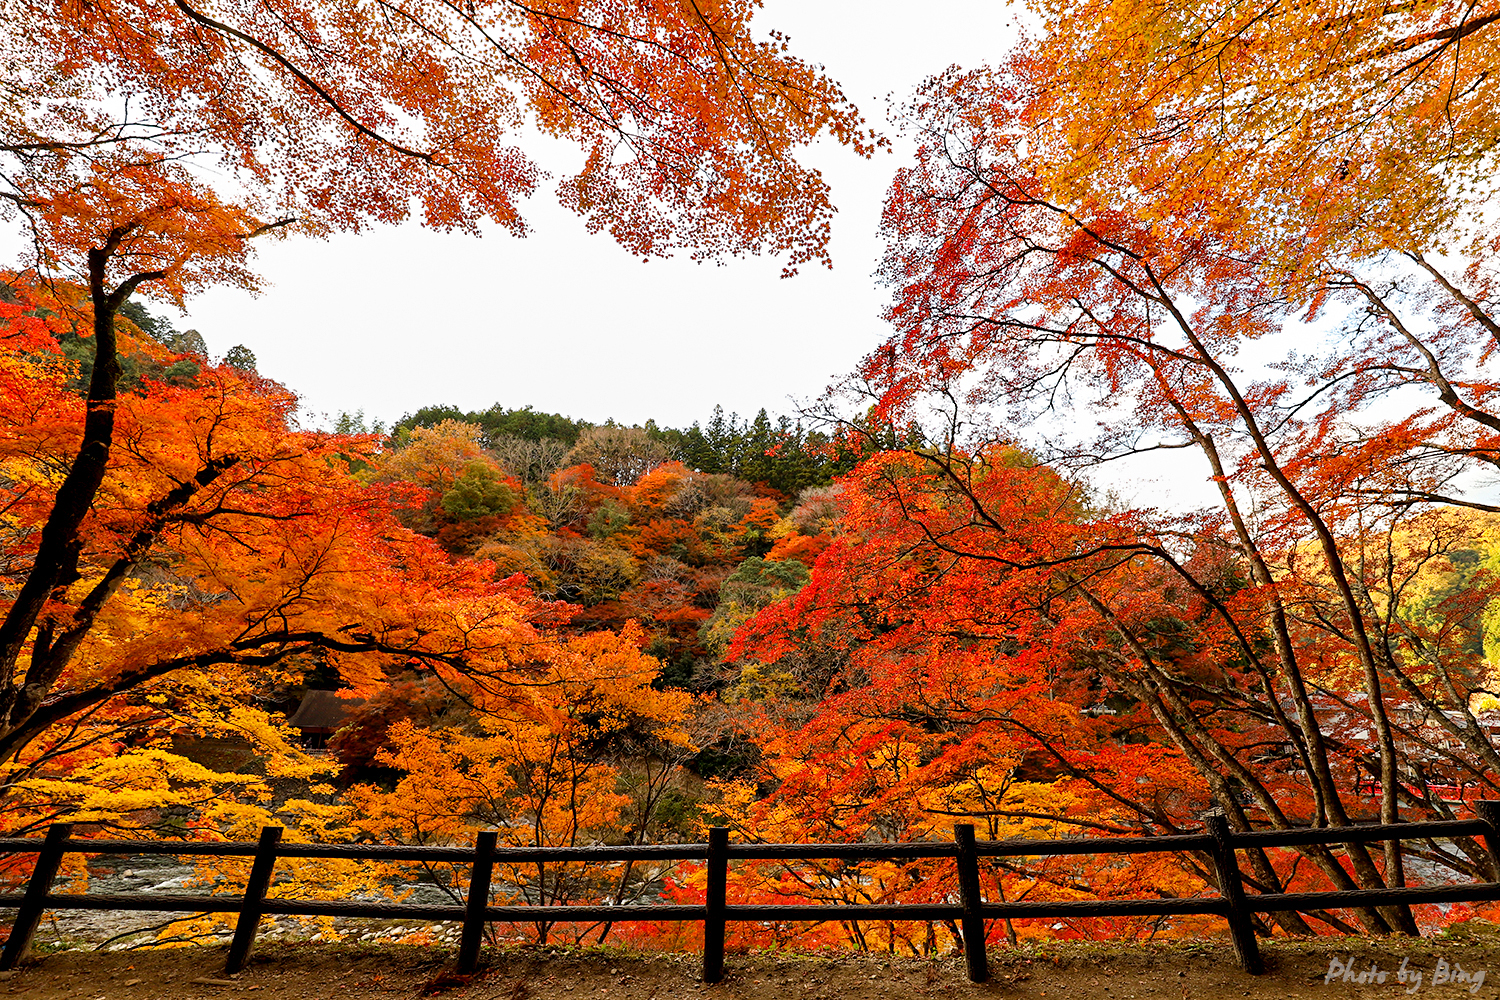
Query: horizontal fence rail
x,y
969,911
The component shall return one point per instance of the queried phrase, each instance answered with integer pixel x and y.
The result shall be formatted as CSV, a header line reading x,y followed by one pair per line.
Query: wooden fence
x,y
970,911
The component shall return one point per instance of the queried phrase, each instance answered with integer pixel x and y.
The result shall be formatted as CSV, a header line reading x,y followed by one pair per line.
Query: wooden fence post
x,y
1489,811
478,901
975,956
253,907
34,902
1232,888
715,904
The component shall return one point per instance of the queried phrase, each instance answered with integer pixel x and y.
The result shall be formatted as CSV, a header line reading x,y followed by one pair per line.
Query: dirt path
x,y
1295,971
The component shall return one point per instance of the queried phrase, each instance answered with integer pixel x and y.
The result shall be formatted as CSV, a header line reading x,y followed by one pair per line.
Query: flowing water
x,y
163,874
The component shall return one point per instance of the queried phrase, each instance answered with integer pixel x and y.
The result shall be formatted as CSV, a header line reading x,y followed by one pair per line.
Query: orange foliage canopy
x,y
1312,131
1254,234
982,646
952,690
332,113
191,528
220,543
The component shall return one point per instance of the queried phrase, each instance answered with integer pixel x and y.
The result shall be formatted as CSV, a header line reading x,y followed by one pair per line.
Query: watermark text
x,y
1350,970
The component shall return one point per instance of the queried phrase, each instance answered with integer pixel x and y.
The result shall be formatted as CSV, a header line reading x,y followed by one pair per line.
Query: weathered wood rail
x,y
969,911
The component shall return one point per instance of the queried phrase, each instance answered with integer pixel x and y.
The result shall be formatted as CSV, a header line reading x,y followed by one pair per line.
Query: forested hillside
x,y
684,533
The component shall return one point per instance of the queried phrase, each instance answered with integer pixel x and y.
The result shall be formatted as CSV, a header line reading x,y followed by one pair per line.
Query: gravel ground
x,y
1296,970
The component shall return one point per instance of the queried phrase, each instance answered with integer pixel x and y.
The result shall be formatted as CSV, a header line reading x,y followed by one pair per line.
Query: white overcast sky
x,y
393,319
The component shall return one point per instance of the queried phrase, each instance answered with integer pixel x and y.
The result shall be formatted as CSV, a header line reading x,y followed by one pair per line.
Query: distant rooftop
x,y
323,712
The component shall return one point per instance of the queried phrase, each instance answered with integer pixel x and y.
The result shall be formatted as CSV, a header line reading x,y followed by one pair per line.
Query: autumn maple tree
x,y
1312,132
582,753
336,115
220,543
317,117
1253,234
917,689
